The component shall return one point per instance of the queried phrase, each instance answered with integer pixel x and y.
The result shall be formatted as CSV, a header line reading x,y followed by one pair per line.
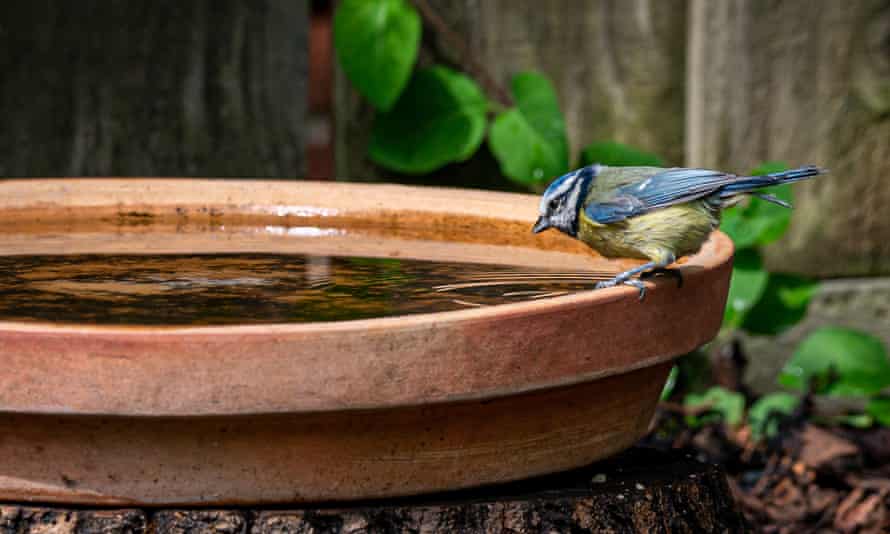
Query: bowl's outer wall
x,y
322,457
339,410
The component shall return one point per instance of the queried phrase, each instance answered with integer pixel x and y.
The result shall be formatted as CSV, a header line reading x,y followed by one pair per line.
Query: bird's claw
x,y
633,282
664,271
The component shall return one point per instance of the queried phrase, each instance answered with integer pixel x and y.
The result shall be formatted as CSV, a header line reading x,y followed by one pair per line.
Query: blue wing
x,y
673,186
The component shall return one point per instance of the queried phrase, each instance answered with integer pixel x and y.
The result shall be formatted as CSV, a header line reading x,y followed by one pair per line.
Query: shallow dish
x,y
342,410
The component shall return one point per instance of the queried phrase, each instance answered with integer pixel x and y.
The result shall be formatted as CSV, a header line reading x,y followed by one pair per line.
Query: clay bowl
x,y
327,411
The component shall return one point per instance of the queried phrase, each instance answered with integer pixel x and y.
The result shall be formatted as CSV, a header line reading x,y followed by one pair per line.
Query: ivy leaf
x,y
748,282
529,141
846,362
855,420
759,222
617,155
879,409
783,304
377,42
763,414
439,119
770,221
728,405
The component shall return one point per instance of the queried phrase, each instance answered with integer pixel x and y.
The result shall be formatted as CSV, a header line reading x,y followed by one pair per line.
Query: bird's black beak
x,y
542,224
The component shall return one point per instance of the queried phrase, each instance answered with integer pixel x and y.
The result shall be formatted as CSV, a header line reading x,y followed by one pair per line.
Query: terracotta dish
x,y
154,415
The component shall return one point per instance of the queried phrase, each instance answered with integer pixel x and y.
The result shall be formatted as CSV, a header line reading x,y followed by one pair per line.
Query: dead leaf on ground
x,y
786,502
862,512
819,448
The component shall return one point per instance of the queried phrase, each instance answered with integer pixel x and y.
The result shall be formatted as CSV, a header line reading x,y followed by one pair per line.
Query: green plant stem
x,y
465,58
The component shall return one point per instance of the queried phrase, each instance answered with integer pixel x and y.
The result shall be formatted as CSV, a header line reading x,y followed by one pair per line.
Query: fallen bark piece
x,y
821,449
861,511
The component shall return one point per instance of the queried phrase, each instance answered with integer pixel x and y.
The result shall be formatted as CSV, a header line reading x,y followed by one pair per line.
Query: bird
x,y
650,213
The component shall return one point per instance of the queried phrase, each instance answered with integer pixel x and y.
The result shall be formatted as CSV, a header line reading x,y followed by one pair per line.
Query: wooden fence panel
x,y
801,81
160,87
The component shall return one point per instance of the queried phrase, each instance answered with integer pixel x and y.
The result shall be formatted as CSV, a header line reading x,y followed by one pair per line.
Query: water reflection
x,y
258,288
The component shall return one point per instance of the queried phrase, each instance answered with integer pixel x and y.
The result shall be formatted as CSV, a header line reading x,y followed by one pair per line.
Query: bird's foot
x,y
633,282
664,271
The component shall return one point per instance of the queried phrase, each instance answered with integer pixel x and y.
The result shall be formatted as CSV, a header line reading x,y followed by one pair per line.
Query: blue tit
x,y
648,213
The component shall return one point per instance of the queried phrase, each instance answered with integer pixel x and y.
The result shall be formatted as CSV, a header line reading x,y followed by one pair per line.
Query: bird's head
x,y
563,199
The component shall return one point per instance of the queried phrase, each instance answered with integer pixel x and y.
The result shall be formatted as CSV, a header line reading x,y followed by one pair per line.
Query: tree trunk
x,y
805,82
198,88
639,491
617,66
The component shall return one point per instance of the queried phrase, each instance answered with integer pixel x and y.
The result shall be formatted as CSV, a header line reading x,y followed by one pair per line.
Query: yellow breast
x,y
679,230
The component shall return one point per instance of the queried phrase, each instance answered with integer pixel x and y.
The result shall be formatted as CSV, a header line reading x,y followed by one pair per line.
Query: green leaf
x,y
670,384
858,361
439,119
879,408
746,286
728,405
762,414
783,304
759,222
856,420
617,155
376,42
529,141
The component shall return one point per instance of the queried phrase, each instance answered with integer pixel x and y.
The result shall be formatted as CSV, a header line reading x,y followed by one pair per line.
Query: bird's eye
x,y
553,204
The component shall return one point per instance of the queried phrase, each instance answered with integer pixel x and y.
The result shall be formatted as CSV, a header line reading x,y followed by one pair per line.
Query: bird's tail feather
x,y
771,198
747,184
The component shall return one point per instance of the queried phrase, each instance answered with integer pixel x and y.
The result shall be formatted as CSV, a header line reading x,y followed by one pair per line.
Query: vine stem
x,y
465,58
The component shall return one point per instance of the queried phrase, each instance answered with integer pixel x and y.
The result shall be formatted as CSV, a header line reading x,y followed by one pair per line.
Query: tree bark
x,y
617,66
805,82
198,88
639,491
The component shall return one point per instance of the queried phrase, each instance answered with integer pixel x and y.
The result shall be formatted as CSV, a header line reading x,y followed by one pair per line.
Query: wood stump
x,y
640,490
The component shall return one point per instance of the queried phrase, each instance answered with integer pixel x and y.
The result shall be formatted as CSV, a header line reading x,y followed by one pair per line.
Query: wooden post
x,y
198,88
805,82
617,67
